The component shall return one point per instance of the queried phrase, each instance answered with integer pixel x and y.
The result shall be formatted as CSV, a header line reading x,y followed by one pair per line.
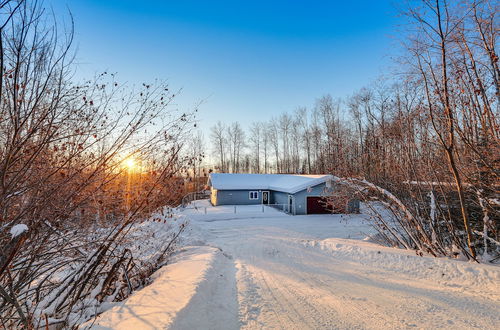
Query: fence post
x,y
262,208
205,210
235,209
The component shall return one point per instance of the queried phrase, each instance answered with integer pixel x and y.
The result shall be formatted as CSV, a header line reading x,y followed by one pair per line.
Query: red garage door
x,y
316,205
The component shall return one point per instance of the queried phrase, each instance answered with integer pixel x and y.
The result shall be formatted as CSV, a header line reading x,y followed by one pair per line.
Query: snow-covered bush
x,y
81,272
421,219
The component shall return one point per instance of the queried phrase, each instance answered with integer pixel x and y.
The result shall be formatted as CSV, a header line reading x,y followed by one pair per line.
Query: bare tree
x,y
285,126
256,134
303,123
218,135
432,51
274,137
196,154
265,146
236,143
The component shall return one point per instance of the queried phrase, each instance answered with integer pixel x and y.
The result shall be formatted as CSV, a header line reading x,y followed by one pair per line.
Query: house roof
x,y
289,183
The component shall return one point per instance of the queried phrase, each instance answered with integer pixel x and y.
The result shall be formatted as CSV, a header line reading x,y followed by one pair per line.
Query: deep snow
x,y
256,270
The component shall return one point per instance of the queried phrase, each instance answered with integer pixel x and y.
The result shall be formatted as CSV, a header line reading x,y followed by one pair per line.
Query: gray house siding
x,y
279,197
237,197
301,197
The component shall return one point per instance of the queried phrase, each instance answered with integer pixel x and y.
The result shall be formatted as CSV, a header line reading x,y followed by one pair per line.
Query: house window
x,y
253,195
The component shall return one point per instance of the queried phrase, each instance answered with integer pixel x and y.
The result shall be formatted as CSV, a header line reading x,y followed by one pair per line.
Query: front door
x,y
265,197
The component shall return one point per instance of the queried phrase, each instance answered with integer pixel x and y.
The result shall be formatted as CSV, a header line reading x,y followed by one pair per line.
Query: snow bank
x,y
451,273
18,230
215,305
156,306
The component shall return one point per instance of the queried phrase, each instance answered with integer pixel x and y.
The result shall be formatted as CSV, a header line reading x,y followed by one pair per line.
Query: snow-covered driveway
x,y
274,271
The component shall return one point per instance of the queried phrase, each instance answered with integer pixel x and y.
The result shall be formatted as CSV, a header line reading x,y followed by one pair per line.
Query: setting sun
x,y
130,164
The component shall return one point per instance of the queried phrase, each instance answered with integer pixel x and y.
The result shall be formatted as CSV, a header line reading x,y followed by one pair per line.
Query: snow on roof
x,y
288,183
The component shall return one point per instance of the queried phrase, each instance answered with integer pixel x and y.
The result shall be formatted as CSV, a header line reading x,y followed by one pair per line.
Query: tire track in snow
x,y
301,313
250,301
327,308
274,298
349,307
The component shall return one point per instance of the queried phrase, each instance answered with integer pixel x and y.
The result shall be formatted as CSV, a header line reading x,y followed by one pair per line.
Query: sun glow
x,y
130,164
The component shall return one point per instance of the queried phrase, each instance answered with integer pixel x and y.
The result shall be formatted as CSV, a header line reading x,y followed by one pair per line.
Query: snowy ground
x,y
264,270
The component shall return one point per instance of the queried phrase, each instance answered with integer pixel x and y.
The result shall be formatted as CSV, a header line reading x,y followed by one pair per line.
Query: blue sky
x,y
246,60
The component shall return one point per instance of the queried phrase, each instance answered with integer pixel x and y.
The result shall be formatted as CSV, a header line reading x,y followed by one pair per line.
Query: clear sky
x,y
247,60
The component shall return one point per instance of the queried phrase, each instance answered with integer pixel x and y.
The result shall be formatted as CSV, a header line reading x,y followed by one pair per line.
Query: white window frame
x,y
253,195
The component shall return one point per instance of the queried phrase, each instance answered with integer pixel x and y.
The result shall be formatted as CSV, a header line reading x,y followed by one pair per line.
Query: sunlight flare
x,y
130,164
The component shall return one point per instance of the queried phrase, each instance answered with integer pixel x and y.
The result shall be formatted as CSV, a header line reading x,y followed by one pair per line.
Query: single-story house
x,y
296,194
